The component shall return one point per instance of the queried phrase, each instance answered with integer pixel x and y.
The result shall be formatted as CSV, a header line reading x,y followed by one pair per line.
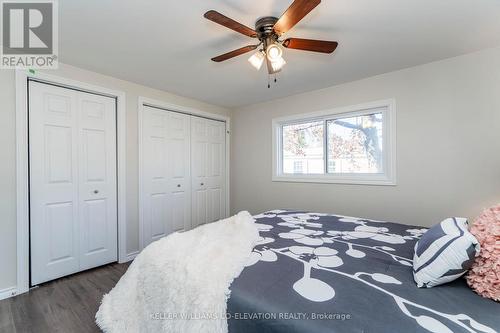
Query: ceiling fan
x,y
268,31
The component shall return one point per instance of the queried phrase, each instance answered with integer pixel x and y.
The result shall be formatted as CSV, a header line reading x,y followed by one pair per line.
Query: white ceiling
x,y
167,44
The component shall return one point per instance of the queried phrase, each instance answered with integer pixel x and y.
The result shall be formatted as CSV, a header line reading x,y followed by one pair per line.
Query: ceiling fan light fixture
x,y
278,64
274,52
268,30
257,59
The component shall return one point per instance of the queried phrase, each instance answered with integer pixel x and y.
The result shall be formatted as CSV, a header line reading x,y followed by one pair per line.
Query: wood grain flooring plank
x,y
66,305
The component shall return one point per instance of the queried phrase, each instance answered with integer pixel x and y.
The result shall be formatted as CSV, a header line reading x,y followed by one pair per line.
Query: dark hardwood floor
x,y
65,305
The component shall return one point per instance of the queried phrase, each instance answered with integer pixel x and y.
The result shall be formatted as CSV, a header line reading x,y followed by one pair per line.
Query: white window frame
x,y
388,177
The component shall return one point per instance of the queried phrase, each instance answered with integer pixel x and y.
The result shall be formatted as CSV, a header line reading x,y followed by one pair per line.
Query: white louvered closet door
x,y
73,214
166,177
208,168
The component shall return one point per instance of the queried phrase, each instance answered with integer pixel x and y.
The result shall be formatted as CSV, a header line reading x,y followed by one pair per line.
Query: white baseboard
x,y
8,292
131,256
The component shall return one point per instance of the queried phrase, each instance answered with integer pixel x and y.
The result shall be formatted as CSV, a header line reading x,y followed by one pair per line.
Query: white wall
x,y
448,145
448,124
8,156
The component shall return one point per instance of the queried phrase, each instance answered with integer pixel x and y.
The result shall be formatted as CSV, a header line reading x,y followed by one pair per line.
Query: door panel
x,y
95,224
200,207
72,138
178,164
58,146
208,169
97,186
159,218
54,227
155,175
95,155
59,217
215,204
166,174
179,200
199,155
157,151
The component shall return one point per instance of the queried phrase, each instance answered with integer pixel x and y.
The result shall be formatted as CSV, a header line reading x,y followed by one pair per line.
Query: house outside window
x,y
353,145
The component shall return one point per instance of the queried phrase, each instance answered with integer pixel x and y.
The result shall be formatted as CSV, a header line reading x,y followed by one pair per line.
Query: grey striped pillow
x,y
444,253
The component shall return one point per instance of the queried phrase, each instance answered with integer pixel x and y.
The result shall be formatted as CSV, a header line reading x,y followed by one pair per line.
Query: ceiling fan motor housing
x,y
264,28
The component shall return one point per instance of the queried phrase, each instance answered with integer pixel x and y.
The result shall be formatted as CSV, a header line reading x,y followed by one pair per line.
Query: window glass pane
x,y
355,144
303,148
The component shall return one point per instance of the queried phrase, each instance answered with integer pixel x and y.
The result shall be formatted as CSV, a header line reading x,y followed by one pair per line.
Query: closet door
x,y
166,174
97,180
53,137
72,155
208,170
179,170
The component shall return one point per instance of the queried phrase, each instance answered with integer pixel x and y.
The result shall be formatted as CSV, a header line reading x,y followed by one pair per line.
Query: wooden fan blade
x,y
217,17
322,46
296,12
235,53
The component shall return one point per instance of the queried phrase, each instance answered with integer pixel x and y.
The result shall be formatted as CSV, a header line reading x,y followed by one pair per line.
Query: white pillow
x,y
444,253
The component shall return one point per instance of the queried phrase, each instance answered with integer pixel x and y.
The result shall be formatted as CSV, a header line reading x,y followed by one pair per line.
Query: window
x,y
303,145
354,145
298,167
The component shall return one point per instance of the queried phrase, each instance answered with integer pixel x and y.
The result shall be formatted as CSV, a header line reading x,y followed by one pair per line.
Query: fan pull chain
x,y
269,80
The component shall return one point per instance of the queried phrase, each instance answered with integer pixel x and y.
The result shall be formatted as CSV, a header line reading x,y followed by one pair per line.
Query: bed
x,y
317,273
289,272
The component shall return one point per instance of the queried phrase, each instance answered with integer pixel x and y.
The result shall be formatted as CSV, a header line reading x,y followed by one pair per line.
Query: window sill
x,y
326,179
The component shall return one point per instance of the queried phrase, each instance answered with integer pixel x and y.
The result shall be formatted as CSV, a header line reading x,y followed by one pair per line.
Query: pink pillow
x,y
484,275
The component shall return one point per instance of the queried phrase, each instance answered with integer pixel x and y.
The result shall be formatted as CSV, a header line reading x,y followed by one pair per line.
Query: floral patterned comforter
x,y
316,273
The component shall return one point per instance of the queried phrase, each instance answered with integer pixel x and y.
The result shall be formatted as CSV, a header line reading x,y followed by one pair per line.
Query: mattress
x,y
317,273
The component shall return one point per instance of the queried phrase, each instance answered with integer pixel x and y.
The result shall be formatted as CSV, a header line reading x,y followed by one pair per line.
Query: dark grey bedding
x,y
325,273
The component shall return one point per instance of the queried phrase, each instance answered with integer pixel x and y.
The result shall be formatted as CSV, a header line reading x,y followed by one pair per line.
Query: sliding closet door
x,y
208,170
72,147
166,174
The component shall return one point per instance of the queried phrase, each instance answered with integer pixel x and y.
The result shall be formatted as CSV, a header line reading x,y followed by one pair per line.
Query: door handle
x,y
202,184
96,191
